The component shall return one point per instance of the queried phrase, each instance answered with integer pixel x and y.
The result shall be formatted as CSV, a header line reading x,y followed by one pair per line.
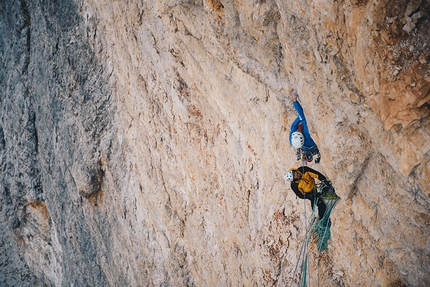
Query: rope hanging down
x,y
321,228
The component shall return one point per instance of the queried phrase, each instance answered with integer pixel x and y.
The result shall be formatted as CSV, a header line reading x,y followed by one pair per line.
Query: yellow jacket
x,y
307,183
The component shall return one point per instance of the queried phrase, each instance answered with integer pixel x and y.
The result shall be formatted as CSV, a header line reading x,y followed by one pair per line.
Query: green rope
x,y
319,227
322,227
304,271
303,253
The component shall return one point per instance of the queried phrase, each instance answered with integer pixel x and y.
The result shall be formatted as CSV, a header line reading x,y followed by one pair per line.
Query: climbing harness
x,y
305,156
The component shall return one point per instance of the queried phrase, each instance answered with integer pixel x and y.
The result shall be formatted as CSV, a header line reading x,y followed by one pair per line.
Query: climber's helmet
x,y
297,139
288,176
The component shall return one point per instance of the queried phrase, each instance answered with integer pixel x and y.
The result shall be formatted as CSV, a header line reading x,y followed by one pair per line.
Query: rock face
x,y
143,143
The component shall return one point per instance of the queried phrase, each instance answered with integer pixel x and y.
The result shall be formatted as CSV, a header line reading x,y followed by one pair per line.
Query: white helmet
x,y
297,139
288,176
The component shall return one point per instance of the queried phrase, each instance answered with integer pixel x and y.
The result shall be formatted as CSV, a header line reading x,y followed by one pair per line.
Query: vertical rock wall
x,y
143,143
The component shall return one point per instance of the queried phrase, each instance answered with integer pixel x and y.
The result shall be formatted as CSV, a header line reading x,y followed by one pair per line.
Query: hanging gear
x,y
308,156
320,228
298,154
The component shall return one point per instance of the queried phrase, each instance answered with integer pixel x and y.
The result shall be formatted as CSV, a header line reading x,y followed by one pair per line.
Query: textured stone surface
x,y
143,143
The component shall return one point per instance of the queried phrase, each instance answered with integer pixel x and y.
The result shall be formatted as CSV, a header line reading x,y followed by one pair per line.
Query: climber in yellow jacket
x,y
302,181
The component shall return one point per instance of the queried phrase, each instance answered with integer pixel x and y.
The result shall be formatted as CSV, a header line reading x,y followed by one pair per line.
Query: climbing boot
x,y
317,157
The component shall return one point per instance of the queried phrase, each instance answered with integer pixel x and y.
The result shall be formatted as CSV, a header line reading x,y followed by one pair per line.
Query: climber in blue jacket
x,y
300,137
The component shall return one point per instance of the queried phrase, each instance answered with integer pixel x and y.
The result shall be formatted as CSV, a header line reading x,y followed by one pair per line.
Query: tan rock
x,y
185,185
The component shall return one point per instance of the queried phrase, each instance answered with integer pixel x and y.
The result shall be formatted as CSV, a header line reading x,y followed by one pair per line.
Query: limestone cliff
x,y
143,143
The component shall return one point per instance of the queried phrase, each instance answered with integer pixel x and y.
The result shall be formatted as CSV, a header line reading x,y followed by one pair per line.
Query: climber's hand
x,y
294,96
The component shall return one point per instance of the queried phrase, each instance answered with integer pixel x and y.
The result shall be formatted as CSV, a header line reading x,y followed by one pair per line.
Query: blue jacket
x,y
309,144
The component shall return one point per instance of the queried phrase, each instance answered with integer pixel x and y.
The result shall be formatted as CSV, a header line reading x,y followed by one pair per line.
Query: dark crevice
x,y
346,77
354,187
27,23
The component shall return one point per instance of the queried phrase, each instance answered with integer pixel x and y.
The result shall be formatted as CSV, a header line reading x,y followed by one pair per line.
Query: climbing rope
x,y
303,256
319,227
304,262
303,250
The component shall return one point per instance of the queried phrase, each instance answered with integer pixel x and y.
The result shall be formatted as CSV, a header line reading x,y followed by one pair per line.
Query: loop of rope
x,y
312,228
